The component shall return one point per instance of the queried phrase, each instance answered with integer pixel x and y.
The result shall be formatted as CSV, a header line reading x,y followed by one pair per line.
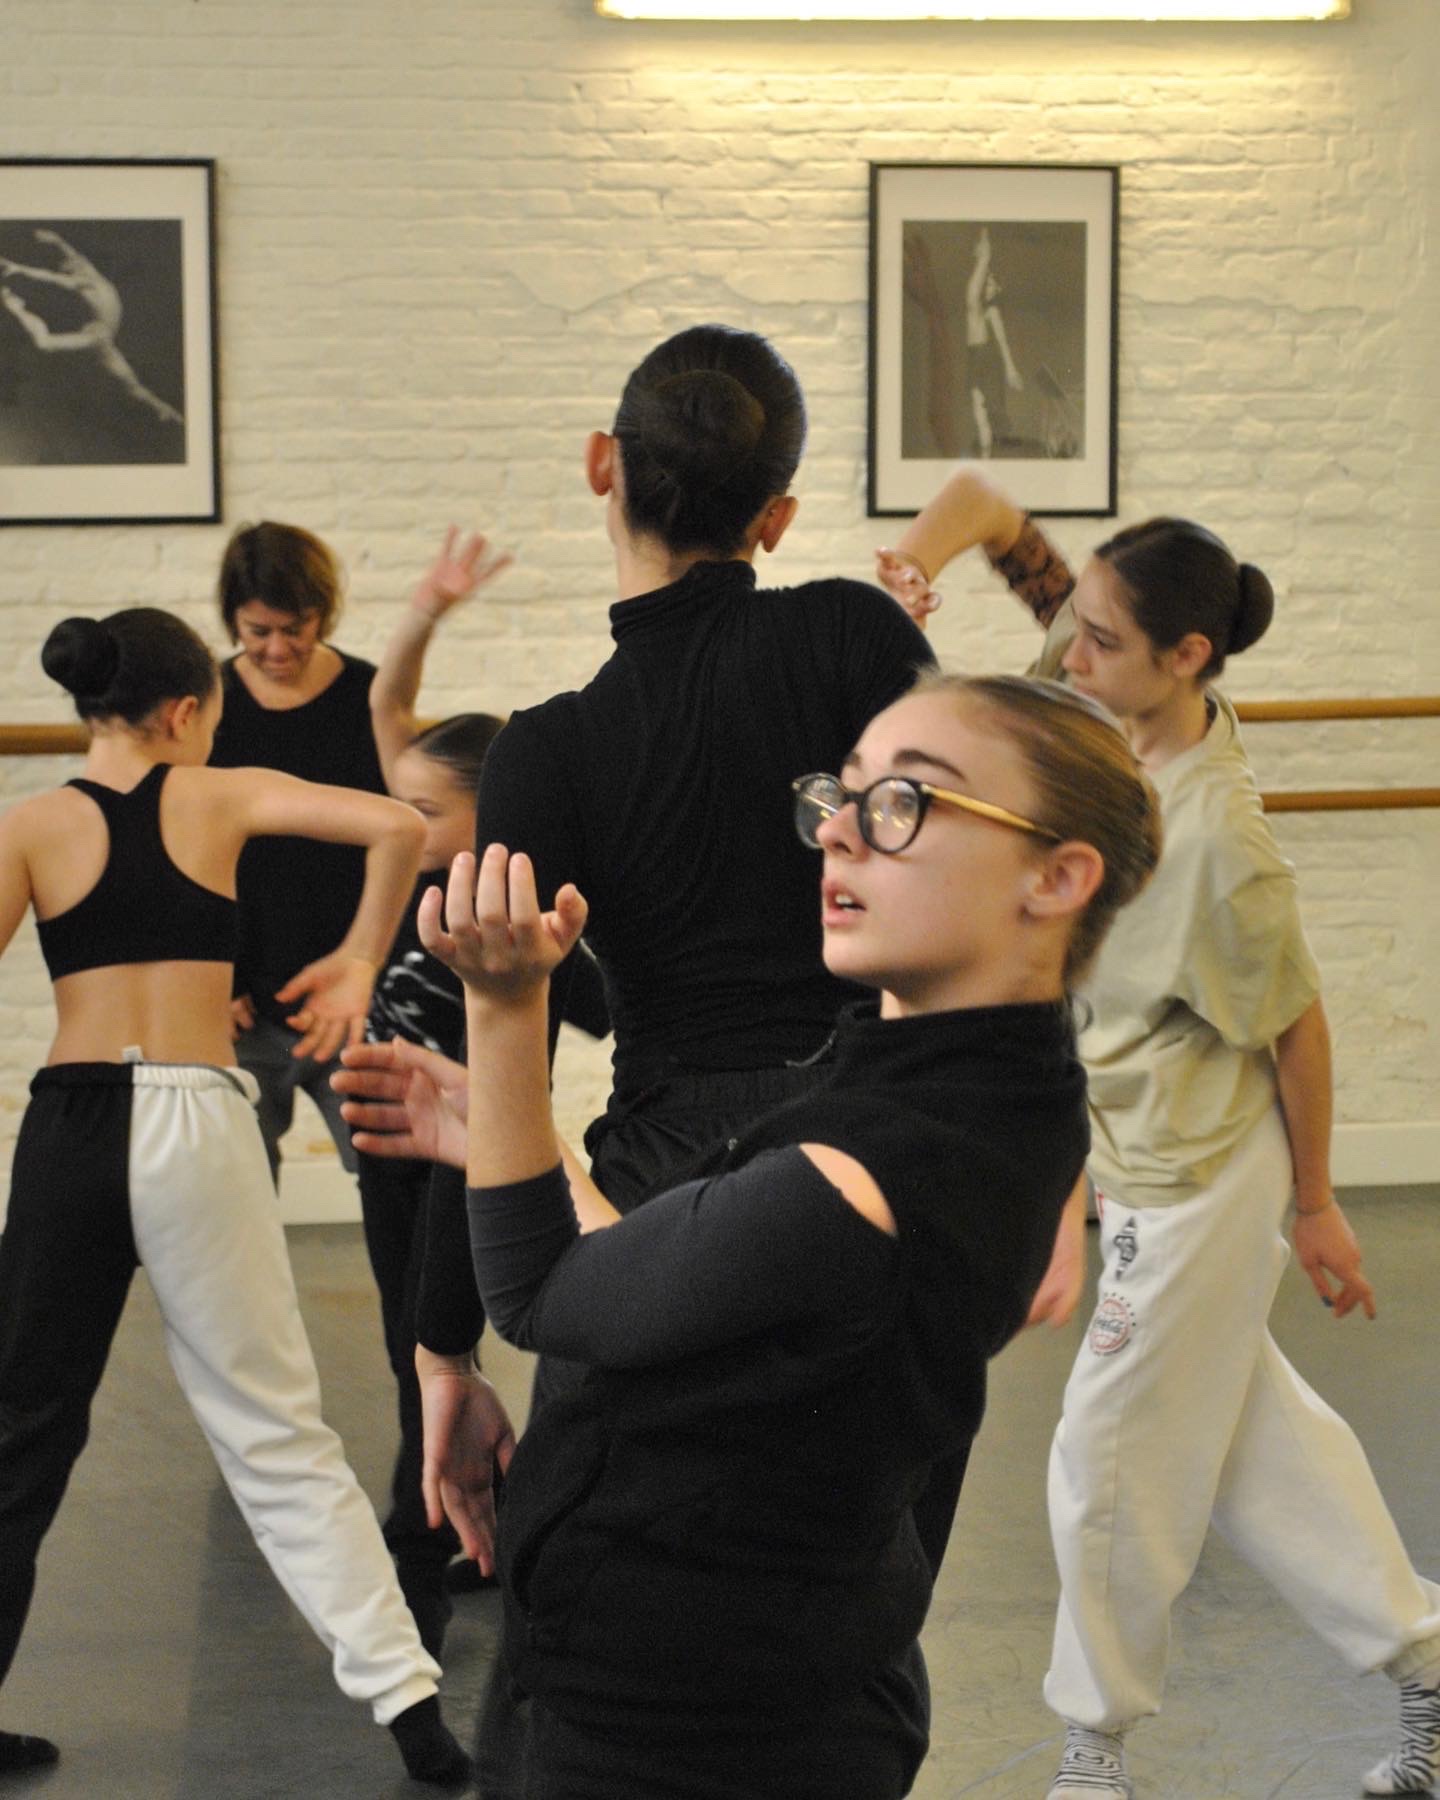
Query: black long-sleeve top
x,y
662,790
719,1521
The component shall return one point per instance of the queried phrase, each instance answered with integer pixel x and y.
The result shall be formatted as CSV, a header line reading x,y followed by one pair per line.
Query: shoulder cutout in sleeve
x,y
855,1183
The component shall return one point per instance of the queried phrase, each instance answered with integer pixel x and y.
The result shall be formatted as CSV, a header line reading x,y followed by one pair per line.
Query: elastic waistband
x,y
197,1076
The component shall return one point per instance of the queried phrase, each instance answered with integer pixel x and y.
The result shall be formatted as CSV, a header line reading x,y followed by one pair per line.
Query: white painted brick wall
x,y
447,231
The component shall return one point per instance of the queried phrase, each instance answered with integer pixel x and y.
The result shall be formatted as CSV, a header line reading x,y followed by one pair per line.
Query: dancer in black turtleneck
x,y
662,787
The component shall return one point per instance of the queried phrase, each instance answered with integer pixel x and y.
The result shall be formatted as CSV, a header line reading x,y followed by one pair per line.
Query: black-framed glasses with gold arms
x,y
891,810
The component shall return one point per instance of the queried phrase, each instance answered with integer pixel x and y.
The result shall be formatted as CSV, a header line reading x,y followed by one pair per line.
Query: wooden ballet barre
x,y
60,740
1351,799
43,740
1267,712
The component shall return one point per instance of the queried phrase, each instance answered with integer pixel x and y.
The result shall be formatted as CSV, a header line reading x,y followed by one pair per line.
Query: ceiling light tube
x,y
1053,11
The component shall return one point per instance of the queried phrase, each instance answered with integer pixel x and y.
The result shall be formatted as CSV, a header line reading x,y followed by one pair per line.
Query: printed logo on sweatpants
x,y
1111,1327
1127,1246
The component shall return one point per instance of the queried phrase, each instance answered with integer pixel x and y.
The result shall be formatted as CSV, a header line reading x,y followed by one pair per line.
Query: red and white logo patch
x,y
1111,1327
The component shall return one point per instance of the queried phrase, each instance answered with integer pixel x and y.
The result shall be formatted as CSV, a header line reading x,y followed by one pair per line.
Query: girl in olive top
x,y
1210,1097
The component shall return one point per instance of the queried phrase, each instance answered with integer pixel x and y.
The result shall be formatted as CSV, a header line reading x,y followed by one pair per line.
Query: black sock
x,y
430,1752
430,1605
18,1752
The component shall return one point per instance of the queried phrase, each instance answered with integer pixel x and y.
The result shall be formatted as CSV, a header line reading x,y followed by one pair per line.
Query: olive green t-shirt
x,y
1201,974
1195,982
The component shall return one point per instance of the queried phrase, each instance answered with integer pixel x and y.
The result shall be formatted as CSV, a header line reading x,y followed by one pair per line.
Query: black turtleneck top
x,y
719,1520
662,791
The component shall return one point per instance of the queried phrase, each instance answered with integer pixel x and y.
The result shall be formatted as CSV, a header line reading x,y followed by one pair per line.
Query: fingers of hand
x,y
372,1061
506,911
431,931
571,911
367,1082
374,1115
1357,1291
524,905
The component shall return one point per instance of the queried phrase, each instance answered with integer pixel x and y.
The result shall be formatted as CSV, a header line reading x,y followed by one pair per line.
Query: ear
x,y
776,519
1190,655
1064,881
600,450
176,716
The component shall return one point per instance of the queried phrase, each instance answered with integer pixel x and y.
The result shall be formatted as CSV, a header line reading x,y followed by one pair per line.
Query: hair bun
x,y
83,655
1256,608
701,426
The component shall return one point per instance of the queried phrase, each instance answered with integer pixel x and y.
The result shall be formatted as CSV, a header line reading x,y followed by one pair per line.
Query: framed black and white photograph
x,y
108,409
992,331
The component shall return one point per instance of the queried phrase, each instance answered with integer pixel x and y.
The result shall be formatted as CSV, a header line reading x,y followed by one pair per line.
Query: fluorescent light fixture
x,y
1052,10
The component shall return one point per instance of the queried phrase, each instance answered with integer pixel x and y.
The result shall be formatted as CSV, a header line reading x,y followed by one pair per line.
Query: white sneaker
x,y
1415,1767
1092,1767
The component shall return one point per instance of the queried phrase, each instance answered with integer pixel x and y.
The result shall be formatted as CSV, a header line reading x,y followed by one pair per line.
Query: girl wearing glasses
x,y
707,1591
141,1145
1209,1067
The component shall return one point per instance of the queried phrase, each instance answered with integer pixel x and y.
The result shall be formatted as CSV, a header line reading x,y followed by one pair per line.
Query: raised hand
x,y
498,941
456,572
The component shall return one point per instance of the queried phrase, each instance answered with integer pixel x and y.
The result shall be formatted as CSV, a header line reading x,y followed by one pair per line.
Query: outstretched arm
x,y
1325,1246
460,568
333,994
968,511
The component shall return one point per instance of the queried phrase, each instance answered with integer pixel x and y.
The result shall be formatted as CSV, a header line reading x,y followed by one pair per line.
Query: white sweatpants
x,y
207,1229
1180,1413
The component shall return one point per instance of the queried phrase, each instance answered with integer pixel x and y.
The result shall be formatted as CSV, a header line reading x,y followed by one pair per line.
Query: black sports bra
x,y
142,909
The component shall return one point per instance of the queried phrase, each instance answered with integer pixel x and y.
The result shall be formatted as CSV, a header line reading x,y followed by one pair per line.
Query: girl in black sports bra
x,y
140,1145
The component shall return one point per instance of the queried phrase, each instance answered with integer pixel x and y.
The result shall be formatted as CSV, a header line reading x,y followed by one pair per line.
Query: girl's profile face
x,y
1110,658
937,923
279,644
445,803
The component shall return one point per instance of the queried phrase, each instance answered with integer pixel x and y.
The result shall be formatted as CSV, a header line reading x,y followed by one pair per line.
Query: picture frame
x,y
993,332
109,406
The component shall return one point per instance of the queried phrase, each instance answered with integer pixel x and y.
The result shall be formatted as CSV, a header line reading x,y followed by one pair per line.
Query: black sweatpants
x,y
119,1164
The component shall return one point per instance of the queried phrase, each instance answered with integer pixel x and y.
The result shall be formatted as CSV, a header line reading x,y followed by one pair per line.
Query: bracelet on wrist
x,y
915,563
1314,1212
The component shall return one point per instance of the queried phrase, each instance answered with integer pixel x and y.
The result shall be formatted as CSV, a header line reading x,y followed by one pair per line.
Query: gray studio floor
x,y
164,1658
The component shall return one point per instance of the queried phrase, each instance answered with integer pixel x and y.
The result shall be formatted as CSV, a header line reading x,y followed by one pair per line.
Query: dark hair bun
x,y
710,427
83,655
702,426
1256,608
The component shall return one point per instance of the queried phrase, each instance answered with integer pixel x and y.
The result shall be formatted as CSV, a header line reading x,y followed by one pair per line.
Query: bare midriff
x,y
173,1012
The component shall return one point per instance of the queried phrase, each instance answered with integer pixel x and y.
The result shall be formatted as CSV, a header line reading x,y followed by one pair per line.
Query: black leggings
x,y
392,1205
